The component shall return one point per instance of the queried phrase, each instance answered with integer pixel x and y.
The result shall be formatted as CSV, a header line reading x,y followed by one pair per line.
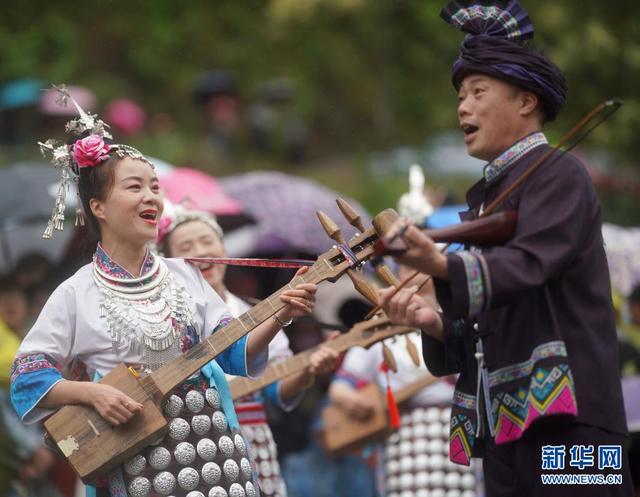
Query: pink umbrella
x,y
200,191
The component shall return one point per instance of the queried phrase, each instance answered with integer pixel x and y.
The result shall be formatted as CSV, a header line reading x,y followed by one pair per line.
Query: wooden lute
x,y
93,447
363,334
342,433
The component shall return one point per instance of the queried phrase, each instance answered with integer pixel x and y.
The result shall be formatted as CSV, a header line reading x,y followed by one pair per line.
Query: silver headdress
x,y
61,156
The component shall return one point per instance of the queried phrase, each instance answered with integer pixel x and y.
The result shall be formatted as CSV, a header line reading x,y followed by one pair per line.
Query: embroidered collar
x,y
110,267
495,168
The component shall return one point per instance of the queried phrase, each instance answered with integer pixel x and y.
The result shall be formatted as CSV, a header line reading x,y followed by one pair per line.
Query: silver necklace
x,y
151,316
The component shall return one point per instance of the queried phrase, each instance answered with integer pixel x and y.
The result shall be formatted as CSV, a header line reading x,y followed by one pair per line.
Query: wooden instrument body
x,y
343,433
91,445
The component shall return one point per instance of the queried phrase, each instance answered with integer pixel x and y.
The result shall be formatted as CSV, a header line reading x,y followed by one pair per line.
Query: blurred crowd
x,y
269,123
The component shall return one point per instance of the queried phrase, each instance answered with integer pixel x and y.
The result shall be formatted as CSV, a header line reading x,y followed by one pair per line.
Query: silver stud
x,y
265,468
164,483
236,490
173,406
179,429
184,453
188,478
267,485
195,493
194,401
218,492
263,453
206,449
246,468
226,446
136,465
219,420
201,424
211,473
250,489
213,398
231,469
260,436
240,444
139,487
159,458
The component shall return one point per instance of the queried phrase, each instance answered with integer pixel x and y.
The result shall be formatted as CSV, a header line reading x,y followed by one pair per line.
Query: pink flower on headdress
x,y
90,151
164,226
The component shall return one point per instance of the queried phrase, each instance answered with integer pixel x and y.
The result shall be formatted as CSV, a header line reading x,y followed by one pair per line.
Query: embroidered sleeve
x,y
44,354
466,293
32,376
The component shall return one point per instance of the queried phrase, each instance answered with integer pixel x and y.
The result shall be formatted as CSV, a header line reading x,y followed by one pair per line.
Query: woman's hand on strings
x,y
114,406
300,300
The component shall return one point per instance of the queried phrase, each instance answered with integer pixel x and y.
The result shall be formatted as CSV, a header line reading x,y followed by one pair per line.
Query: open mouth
x,y
149,216
469,129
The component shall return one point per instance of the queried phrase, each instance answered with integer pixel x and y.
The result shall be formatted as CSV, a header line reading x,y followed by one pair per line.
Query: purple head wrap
x,y
495,46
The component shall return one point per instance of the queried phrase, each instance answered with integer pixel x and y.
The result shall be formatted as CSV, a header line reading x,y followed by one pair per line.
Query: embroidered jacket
x,y
536,312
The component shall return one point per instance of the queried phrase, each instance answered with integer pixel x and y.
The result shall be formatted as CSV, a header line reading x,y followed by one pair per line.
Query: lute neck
x,y
175,372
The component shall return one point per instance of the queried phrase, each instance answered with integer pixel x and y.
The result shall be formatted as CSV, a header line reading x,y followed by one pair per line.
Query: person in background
x,y
190,233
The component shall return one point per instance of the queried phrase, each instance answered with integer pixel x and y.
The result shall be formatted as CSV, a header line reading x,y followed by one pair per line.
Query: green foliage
x,y
368,74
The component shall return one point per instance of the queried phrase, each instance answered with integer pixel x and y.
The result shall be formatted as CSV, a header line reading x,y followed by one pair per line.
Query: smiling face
x,y
494,115
133,206
197,239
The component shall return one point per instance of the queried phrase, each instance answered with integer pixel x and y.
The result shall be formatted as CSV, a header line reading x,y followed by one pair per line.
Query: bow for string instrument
x,y
504,222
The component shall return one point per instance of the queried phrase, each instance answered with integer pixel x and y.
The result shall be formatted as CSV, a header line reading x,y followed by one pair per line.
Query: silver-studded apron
x,y
262,446
416,461
200,457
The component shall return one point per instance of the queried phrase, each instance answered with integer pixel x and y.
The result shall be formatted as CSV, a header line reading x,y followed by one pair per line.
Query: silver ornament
x,y
184,453
267,486
218,492
207,449
247,470
236,490
226,446
250,489
263,453
219,421
211,473
194,401
173,406
265,468
136,465
201,424
195,493
213,398
179,429
231,469
159,458
247,431
188,478
275,466
164,483
139,487
240,444
259,434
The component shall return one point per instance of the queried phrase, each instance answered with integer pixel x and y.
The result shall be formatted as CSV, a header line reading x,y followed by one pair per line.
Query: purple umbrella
x,y
284,208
